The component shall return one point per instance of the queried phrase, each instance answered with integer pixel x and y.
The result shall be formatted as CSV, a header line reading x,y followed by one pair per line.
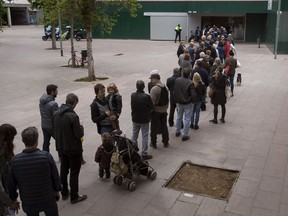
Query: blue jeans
x,y
231,80
196,113
145,132
184,113
106,128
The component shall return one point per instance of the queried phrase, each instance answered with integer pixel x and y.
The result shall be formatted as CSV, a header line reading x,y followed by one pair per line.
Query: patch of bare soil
x,y
209,181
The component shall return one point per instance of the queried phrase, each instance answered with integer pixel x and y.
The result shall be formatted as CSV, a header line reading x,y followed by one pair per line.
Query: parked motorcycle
x,y
48,33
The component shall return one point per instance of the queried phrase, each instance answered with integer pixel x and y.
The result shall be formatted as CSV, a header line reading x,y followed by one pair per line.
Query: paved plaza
x,y
254,139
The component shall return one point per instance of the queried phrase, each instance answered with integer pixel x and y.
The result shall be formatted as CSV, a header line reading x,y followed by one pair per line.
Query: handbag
x,y
227,69
211,92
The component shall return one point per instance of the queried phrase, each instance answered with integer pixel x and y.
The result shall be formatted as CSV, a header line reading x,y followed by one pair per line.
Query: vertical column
x,y
9,16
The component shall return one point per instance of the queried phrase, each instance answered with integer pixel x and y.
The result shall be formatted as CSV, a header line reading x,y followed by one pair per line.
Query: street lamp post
x,y
279,12
60,29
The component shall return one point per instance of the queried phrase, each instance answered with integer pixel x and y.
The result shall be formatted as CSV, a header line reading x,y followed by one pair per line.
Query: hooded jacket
x,y
67,130
47,106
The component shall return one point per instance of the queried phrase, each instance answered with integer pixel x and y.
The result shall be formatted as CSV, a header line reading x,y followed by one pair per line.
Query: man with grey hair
x,y
35,174
68,133
141,107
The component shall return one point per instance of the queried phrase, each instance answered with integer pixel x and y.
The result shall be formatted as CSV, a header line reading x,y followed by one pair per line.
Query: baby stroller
x,y
126,162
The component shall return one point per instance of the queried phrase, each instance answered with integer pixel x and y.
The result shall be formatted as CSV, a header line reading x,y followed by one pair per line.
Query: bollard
x,y
258,41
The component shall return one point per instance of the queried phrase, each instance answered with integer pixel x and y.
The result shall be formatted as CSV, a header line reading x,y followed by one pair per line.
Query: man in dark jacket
x,y
48,107
68,133
185,96
170,84
35,174
141,107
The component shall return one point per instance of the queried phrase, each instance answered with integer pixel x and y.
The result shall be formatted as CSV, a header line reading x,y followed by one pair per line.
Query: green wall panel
x,y
255,26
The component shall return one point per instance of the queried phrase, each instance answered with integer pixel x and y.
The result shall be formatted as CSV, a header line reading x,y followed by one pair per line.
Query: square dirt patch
x,y
203,180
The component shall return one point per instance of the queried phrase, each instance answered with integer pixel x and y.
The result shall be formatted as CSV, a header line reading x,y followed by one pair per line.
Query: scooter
x,y
80,34
49,35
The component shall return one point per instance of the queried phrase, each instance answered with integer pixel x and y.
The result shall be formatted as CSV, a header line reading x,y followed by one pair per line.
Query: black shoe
x,y
80,198
213,121
146,157
232,95
222,120
166,145
184,138
196,127
177,134
192,126
153,146
171,124
65,195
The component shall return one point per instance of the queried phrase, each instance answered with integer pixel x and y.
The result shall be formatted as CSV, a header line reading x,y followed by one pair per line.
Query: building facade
x,y
246,19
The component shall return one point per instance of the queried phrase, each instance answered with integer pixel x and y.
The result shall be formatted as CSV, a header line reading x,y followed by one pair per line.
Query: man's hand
x,y
112,118
15,206
57,196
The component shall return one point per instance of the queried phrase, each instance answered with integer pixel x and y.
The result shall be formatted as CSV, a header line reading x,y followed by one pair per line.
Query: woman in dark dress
x,y
218,85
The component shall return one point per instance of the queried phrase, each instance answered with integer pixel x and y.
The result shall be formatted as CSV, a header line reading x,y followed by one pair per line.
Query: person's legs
x,y
164,129
179,117
135,132
196,110
101,172
46,139
52,209
193,114
215,111
75,165
188,109
145,132
223,109
231,79
179,37
171,112
108,174
64,170
154,128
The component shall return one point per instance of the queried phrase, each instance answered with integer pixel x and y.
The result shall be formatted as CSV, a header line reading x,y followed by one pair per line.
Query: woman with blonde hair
x,y
200,93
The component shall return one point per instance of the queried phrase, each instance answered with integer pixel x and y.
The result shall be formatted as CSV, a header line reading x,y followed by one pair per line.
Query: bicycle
x,y
78,60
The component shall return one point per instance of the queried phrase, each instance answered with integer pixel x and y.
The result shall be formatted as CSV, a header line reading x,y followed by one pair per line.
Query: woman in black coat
x,y
218,85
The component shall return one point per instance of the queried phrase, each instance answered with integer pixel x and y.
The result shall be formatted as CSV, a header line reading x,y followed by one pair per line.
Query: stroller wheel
x,y
118,180
132,186
153,175
149,174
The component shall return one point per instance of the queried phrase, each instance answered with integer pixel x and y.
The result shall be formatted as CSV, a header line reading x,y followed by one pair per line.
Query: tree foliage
x,y
2,12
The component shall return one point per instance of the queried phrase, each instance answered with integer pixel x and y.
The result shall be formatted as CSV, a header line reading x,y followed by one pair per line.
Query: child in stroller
x,y
126,162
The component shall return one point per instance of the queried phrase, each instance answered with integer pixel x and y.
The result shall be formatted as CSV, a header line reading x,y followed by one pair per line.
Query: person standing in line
x,y
48,107
141,107
34,173
170,84
160,98
7,134
185,96
178,30
100,113
68,133
103,156
200,90
231,64
197,34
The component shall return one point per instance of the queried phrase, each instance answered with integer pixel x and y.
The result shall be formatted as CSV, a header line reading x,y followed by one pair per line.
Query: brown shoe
x,y
146,157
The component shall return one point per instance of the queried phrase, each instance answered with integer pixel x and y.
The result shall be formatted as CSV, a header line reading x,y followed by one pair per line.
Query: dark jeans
x,y
172,111
106,128
231,80
50,208
101,172
223,109
47,134
72,162
159,122
178,35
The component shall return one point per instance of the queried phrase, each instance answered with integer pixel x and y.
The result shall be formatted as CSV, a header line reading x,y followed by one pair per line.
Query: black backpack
x,y
164,96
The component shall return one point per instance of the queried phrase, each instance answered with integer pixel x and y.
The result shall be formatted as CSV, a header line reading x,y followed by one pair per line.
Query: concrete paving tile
x,y
154,210
239,153
267,200
239,204
183,209
122,212
211,207
76,209
258,150
284,195
234,163
165,198
190,198
255,161
218,155
278,148
246,187
281,140
262,212
277,158
230,214
251,173
283,210
274,169
272,184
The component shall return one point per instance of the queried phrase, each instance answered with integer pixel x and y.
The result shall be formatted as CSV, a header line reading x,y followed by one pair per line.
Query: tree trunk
x,y
72,42
53,38
91,73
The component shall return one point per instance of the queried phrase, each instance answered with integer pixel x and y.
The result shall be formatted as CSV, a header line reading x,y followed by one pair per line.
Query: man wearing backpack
x,y
160,98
